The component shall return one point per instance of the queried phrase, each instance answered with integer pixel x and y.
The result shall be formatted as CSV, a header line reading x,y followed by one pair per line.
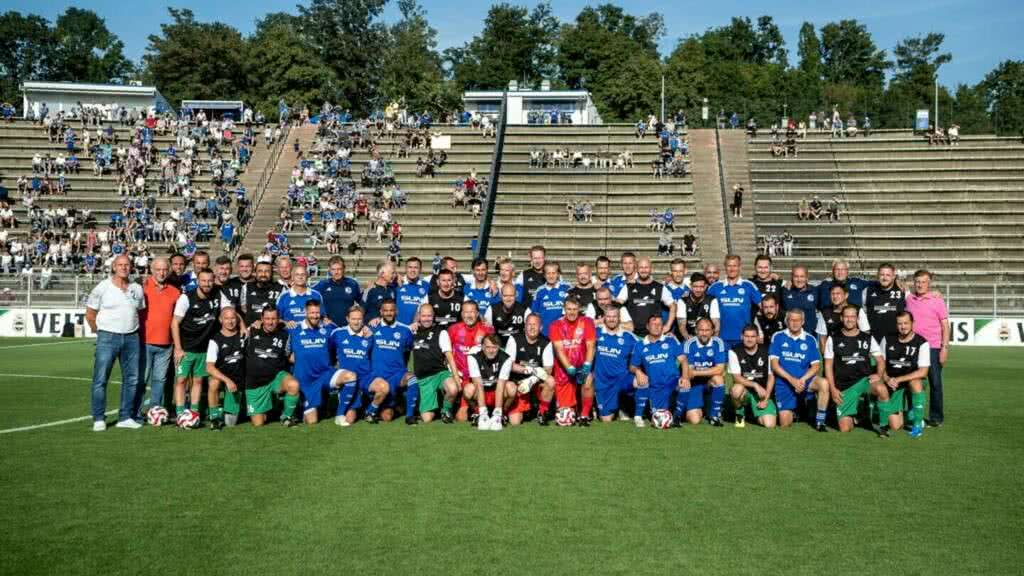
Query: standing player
x,y
766,282
612,379
658,364
801,295
883,301
312,355
339,292
602,302
602,271
194,323
574,340
852,377
412,292
584,288
737,299
549,299
676,283
434,366
466,337
225,364
292,302
628,275
382,288
446,300
907,360
507,277
533,363
351,344
768,319
490,369
266,370
508,317
480,288
753,380
533,277
830,320
706,356
392,343
260,293
795,361
646,297
711,272
694,306
841,276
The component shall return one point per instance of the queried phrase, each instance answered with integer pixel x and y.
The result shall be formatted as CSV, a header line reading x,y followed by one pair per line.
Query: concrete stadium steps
x,y
736,166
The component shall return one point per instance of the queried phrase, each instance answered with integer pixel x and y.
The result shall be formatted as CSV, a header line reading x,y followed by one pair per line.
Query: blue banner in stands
x,y
921,121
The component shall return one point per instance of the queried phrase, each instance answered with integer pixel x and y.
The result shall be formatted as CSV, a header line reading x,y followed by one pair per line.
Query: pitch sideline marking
x,y
56,422
74,341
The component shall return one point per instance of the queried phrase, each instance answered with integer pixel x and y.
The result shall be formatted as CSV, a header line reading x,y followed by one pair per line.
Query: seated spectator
x,y
833,209
953,135
816,208
803,211
689,244
665,244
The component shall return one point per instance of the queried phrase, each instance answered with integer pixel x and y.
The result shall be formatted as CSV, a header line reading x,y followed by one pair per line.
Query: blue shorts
x,y
313,392
394,383
363,396
607,394
661,394
692,399
786,398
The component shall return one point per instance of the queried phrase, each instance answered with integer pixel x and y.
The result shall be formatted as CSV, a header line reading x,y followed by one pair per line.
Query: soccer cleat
x,y
542,420
820,427
410,420
623,416
99,426
474,419
584,421
716,422
341,420
504,420
741,421
496,425
371,419
482,423
883,431
916,432
638,421
933,423
216,424
446,417
128,424
289,422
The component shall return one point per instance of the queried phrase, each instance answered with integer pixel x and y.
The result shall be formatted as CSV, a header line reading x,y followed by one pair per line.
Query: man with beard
x,y
645,297
695,306
584,288
260,293
883,301
753,380
768,319
194,323
446,300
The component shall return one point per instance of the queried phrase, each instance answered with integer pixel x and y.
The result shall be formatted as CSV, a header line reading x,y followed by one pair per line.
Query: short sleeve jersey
x,y
391,346
736,304
548,302
796,354
659,359
292,306
704,355
313,351
352,351
611,360
573,337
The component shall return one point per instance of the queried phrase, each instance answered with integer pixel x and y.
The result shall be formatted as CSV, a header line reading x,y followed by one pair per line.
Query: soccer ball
x,y
565,417
157,416
188,419
662,419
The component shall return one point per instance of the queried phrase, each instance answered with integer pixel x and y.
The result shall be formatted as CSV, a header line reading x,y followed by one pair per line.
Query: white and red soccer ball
x,y
188,419
661,419
565,417
157,416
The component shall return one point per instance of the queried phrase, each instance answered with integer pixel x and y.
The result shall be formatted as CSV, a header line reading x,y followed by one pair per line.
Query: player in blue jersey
x,y
392,343
292,302
657,363
737,299
549,299
795,360
313,359
627,276
480,288
676,283
800,294
339,292
706,356
841,276
351,344
412,292
611,377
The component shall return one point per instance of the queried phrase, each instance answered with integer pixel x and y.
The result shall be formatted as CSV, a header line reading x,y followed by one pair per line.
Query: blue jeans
x,y
110,348
153,366
935,412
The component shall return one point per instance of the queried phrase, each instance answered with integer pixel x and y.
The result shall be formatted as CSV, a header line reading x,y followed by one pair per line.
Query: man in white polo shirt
x,y
112,312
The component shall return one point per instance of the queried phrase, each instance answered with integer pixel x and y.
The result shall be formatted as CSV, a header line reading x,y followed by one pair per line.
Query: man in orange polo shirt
x,y
156,329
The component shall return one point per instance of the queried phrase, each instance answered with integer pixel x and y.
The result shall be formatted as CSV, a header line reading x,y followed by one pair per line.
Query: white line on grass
x,y
75,341
57,422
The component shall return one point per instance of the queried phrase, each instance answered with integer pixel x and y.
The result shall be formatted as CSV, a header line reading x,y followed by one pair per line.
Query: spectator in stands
x,y
953,135
803,210
689,244
816,208
833,209
666,246
787,243
737,201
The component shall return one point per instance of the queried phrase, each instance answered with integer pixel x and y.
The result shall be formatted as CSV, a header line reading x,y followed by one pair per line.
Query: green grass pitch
x,y
443,499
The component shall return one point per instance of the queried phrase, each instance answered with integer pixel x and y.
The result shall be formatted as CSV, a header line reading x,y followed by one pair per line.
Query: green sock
x,y
216,413
290,402
447,406
179,409
917,399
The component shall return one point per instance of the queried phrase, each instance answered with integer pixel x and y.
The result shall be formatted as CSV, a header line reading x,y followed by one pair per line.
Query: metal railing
x,y
261,187
487,218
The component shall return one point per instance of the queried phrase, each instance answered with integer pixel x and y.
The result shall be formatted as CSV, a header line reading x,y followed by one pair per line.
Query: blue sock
x,y
717,397
681,397
642,394
371,410
345,397
412,394
820,416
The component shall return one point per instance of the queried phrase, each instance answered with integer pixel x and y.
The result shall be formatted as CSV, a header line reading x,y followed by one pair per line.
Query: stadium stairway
x,y
736,171
707,191
532,202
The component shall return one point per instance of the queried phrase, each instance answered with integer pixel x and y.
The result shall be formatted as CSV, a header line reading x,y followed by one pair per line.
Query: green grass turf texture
x,y
447,499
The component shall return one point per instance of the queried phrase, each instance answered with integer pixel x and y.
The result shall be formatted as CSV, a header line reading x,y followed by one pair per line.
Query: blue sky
x,y
979,33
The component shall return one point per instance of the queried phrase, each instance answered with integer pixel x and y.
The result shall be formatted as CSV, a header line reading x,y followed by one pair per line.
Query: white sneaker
x,y
496,424
342,421
623,416
638,421
99,426
128,424
484,422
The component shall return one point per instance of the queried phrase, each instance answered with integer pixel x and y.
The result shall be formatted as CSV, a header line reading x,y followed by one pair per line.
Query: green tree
x,y
917,52
85,51
412,69
196,60
25,52
1003,89
850,56
805,88
969,110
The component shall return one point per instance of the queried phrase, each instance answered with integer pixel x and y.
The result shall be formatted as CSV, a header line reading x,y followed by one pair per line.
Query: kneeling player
x,y
753,380
795,361
611,377
313,360
490,369
659,365
852,376
907,359
706,356
533,362
351,346
266,370
434,366
392,342
574,340
225,364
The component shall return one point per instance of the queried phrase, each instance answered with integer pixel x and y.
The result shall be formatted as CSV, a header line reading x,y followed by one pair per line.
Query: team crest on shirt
x,y
810,297
621,341
710,352
664,346
365,343
741,291
348,289
803,347
397,335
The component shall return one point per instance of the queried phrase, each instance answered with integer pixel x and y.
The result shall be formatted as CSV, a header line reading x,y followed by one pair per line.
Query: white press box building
x,y
528,106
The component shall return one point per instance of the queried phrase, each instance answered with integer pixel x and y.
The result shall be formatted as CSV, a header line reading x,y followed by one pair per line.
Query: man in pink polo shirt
x,y
931,321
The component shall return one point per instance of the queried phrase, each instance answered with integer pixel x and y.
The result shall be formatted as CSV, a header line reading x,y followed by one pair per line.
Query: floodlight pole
x,y
662,97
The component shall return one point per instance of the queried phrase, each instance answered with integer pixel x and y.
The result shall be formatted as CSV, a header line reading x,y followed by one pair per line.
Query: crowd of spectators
x,y
565,158
814,209
776,244
579,210
939,137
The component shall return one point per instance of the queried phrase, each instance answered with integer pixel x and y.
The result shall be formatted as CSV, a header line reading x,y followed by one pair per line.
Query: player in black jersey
x,y
490,369
602,302
766,281
753,380
193,324
769,319
434,366
584,288
260,293
533,277
225,364
647,297
533,364
907,359
266,370
694,306
883,300
830,318
848,356
507,317
446,300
